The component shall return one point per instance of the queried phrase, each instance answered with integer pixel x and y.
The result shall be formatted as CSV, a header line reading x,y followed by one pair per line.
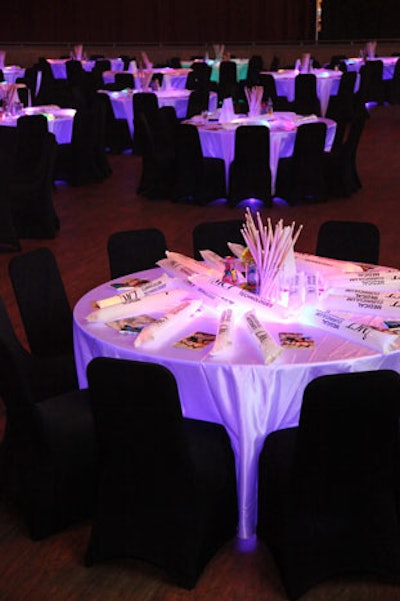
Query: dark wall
x,y
156,21
358,19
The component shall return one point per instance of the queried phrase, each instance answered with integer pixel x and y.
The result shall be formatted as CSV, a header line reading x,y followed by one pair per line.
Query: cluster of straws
x,y
270,248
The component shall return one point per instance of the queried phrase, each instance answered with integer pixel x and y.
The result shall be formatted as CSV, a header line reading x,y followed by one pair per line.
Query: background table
x,y
389,63
249,398
327,84
59,69
123,105
172,78
11,72
218,140
59,120
242,65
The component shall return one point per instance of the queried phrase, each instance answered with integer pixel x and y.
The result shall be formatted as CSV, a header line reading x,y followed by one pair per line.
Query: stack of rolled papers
x,y
133,67
2,59
254,98
381,341
370,50
227,113
10,94
158,303
270,350
160,330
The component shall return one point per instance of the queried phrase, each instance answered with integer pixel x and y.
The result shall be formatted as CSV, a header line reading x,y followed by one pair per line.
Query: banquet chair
x,y
48,459
329,488
197,103
175,62
357,241
392,86
117,134
199,77
227,81
214,235
167,490
306,101
199,179
267,81
256,64
158,159
130,251
31,184
124,80
9,241
249,172
342,105
301,177
84,159
341,172
371,88
147,103
43,303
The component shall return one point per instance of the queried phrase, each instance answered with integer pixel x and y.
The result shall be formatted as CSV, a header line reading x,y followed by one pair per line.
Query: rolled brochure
x,y
267,344
159,302
384,342
136,293
324,266
377,281
224,339
156,332
386,305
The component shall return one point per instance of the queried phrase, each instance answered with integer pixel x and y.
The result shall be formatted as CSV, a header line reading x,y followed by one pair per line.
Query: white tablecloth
x,y
218,140
172,78
60,120
327,84
249,398
123,106
389,63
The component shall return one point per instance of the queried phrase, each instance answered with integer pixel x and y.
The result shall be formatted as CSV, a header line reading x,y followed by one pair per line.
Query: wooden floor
x,y
53,569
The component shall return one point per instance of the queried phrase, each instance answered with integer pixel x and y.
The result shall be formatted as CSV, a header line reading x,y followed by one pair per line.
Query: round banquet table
x,y
249,398
12,72
123,106
389,63
172,78
218,139
242,66
327,84
59,68
60,121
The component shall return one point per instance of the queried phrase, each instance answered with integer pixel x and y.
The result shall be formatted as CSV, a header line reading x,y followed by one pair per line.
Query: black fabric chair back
x,y
357,241
135,250
48,450
124,80
167,484
199,77
301,177
198,179
227,82
341,106
42,301
214,235
250,173
147,103
306,101
256,64
197,103
371,87
329,489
